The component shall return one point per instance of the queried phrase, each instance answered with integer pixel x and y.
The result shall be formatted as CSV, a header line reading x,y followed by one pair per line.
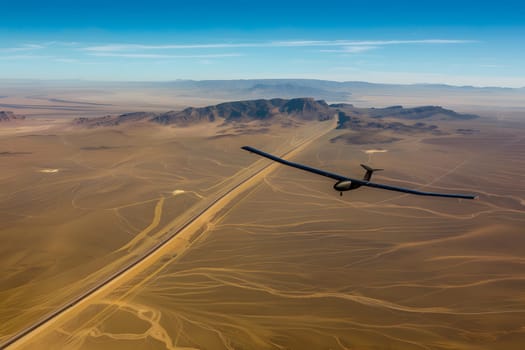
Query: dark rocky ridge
x,y
243,111
350,117
110,120
7,116
365,123
399,112
371,123
306,109
289,111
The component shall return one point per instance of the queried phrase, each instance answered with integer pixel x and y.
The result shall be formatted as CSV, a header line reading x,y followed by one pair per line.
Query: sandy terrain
x,y
78,203
285,262
82,101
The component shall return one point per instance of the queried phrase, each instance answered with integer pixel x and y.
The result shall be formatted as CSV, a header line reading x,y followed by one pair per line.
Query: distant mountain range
x,y
309,84
320,89
78,96
267,88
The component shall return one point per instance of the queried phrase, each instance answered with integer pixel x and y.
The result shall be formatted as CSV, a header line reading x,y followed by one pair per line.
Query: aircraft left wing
x,y
297,165
421,193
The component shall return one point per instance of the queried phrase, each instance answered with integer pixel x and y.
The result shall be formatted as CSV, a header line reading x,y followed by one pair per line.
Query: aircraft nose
x,y
344,185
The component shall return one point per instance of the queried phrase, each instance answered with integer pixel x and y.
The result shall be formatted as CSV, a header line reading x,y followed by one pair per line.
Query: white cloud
x,y
344,68
136,47
28,47
147,55
302,43
352,49
65,60
492,65
367,43
23,57
22,48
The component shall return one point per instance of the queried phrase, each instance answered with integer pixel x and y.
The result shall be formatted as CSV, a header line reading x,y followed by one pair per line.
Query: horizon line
x,y
255,79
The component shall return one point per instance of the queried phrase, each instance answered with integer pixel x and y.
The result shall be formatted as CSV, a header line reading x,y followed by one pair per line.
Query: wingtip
x,y
249,149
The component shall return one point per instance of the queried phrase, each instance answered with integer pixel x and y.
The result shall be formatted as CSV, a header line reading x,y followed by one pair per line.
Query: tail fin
x,y
369,171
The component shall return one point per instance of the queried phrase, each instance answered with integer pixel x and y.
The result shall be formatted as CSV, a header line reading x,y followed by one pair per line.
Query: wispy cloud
x,y
351,49
29,47
301,43
65,60
147,55
492,65
24,57
367,42
22,48
137,47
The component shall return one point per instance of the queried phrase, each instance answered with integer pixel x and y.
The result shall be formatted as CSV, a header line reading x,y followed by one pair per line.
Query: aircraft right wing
x,y
421,193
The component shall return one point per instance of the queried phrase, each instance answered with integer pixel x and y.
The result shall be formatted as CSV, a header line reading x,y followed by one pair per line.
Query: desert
x,y
236,252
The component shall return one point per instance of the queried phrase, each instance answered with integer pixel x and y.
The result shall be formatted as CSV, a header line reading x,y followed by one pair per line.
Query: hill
x,y
287,111
244,111
393,118
277,109
7,116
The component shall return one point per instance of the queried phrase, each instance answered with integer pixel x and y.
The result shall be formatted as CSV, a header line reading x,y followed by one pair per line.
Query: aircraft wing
x,y
297,165
361,182
421,193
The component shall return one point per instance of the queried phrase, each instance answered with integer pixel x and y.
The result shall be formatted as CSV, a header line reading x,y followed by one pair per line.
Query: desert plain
x,y
264,257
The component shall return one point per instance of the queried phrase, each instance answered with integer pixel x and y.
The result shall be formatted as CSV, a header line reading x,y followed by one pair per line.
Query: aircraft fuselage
x,y
346,185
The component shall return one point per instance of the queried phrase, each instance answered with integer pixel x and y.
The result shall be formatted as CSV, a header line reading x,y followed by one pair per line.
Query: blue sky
x,y
453,42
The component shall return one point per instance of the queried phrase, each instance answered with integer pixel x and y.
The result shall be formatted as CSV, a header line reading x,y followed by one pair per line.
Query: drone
x,y
345,183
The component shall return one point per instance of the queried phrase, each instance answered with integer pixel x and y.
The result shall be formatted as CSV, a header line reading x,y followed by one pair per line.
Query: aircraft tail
x,y
369,172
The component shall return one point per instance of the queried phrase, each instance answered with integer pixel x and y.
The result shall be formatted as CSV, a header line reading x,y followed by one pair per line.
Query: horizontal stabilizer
x,y
369,172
